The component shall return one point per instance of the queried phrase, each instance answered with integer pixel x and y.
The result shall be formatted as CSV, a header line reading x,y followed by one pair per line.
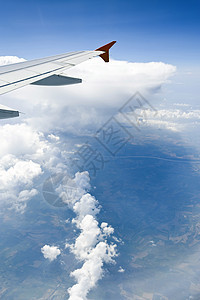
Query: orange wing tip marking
x,y
105,48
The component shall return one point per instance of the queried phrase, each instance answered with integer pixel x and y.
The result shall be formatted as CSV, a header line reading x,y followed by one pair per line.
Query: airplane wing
x,y
46,71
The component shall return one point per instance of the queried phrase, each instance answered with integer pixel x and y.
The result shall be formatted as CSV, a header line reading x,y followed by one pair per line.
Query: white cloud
x,y
88,237
91,246
18,173
123,76
81,108
26,194
82,181
6,60
24,155
50,252
72,189
174,114
87,205
91,271
20,139
175,120
121,270
107,229
16,181
53,137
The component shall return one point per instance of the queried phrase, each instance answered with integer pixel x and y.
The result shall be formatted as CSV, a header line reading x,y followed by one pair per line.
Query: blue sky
x,y
145,30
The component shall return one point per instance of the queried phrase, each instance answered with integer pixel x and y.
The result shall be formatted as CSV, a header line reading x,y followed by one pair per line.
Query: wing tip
x,y
105,48
7,113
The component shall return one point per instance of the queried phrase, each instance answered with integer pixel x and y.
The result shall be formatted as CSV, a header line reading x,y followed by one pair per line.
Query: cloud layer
x,y
78,108
33,146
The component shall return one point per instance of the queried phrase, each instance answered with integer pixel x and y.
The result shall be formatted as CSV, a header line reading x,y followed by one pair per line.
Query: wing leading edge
x,y
46,71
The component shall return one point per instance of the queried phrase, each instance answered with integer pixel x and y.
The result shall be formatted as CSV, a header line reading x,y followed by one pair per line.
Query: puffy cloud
x,y
72,189
20,202
50,252
18,172
16,181
82,180
26,194
20,139
107,229
6,60
91,246
91,271
88,237
53,137
121,270
24,155
87,205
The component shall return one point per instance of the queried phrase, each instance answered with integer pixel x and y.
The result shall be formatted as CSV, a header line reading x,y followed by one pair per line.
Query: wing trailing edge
x,y
57,80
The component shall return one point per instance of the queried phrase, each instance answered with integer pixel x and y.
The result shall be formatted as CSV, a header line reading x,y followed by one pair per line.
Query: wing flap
x,y
57,80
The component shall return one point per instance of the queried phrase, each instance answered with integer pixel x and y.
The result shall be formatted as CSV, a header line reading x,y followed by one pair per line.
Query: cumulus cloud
x,y
24,156
50,252
121,270
16,181
107,229
91,246
72,189
6,60
19,172
87,205
91,271
20,139
53,137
